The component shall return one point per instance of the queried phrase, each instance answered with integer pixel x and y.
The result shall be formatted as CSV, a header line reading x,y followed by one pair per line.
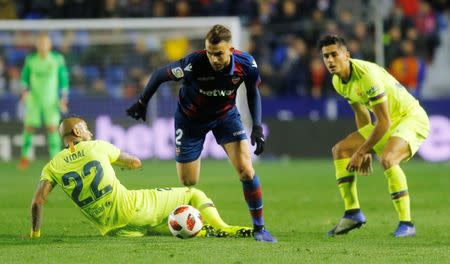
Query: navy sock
x,y
253,197
352,212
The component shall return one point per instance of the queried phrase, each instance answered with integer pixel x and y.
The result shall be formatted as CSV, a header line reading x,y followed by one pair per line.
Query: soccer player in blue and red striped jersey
x,y
207,102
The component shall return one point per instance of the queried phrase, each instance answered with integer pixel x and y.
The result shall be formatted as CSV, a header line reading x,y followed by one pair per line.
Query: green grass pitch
x,y
301,203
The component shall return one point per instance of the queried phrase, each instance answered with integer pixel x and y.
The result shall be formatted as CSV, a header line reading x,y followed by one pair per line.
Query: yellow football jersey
x,y
371,84
87,177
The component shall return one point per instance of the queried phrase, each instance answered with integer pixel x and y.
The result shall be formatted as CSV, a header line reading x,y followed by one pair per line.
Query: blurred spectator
x,y
8,9
345,22
247,10
409,7
397,18
118,61
98,88
36,9
357,7
365,40
418,40
392,44
135,8
3,77
74,8
287,18
216,7
159,9
314,27
318,77
295,69
408,69
426,24
354,48
180,9
110,9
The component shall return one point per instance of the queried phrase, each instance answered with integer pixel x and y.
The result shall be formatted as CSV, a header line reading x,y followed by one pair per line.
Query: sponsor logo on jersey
x,y
216,92
235,79
177,72
188,68
237,133
372,90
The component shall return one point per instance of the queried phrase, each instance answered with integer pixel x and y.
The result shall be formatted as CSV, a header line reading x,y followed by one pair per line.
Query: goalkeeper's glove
x,y
138,110
258,138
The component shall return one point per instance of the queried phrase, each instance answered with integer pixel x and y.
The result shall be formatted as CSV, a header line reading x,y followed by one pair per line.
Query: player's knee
x,y
188,182
388,160
246,173
338,151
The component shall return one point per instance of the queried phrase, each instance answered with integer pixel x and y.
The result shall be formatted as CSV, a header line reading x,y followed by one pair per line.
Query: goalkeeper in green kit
x,y
46,84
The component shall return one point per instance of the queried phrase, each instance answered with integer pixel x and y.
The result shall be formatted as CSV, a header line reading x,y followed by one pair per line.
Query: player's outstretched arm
x,y
128,161
139,109
40,197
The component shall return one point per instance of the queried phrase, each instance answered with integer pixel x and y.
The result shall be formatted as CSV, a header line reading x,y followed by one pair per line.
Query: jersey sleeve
x,y
25,74
112,151
252,81
47,175
63,74
177,70
373,87
174,71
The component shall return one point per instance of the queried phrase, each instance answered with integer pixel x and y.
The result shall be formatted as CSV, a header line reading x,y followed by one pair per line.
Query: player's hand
x,y
258,138
356,161
23,96
63,106
366,166
138,111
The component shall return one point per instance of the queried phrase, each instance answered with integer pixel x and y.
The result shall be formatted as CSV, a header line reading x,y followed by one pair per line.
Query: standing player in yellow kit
x,y
401,126
85,173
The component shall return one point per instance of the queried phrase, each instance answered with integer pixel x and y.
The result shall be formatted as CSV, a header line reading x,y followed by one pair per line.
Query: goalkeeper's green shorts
x,y
37,111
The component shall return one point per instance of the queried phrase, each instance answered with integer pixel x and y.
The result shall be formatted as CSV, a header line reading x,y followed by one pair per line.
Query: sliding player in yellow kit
x,y
401,126
85,173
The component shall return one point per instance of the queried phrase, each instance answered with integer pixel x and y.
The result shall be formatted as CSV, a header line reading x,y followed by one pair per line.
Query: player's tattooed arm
x,y
362,115
40,197
128,161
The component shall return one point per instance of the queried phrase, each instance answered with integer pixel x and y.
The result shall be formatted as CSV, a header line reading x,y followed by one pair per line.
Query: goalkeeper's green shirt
x,y
371,84
44,76
87,177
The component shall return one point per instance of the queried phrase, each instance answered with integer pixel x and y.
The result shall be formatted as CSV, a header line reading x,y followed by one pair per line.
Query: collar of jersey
x,y
232,64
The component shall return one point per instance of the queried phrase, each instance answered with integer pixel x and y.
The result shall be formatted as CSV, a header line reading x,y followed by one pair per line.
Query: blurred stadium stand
x,y
109,68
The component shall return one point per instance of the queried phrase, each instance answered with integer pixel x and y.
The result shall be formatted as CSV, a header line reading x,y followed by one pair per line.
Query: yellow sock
x,y
207,209
347,184
398,189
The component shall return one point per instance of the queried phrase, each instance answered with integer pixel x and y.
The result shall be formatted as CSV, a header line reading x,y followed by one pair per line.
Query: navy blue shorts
x,y
190,135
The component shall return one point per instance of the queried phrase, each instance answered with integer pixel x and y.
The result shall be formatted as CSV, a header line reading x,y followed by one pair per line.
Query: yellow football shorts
x,y
152,208
413,128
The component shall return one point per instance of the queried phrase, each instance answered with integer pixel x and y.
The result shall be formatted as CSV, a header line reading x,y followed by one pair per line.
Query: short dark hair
x,y
331,40
217,34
